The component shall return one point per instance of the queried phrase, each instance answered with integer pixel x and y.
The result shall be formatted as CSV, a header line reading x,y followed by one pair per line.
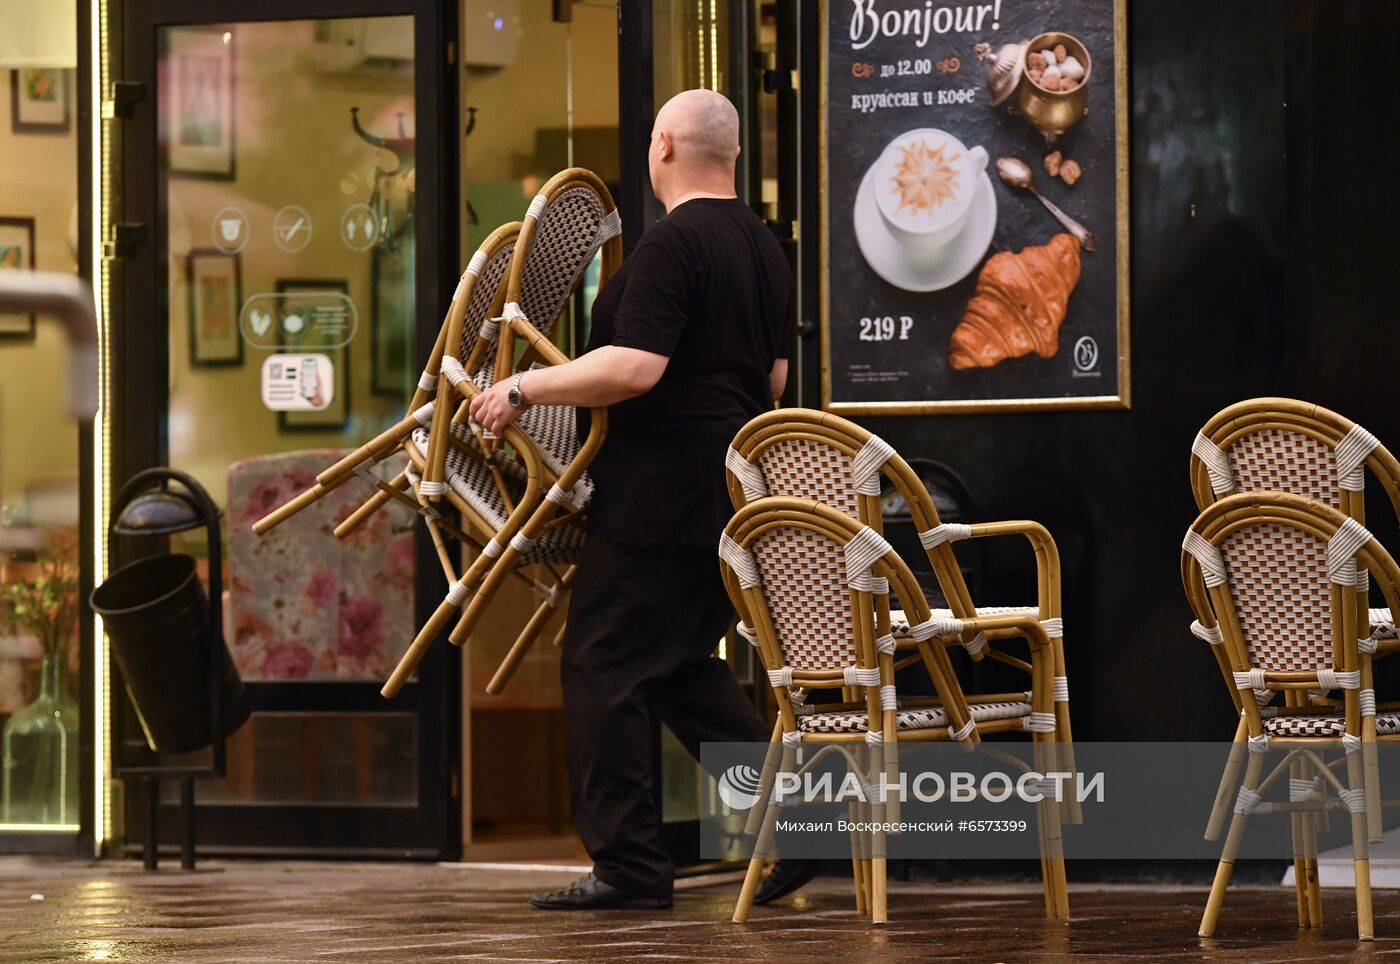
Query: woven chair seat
x,y
472,479
914,718
1327,726
1383,625
899,623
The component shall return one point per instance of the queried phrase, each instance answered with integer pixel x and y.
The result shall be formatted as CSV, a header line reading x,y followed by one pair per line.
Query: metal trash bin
x,y
156,613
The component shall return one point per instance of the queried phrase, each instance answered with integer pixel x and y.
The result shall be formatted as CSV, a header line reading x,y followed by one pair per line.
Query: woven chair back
x,y
1280,574
805,576
1282,597
807,454
804,585
1286,445
575,216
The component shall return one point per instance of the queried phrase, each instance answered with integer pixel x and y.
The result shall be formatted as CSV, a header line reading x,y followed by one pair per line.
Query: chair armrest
x,y
1047,557
1023,625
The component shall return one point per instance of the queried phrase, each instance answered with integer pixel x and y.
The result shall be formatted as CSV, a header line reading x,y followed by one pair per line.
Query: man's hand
x,y
493,410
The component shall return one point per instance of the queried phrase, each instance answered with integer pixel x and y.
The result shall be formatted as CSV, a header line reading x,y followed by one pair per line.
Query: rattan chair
x,y
809,454
1286,445
541,524
481,485
504,495
1273,579
805,578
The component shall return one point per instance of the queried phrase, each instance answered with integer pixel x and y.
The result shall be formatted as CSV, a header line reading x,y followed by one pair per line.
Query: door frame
x,y
139,386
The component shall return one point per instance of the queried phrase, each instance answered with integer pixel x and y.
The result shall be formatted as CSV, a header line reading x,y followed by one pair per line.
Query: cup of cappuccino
x,y
925,181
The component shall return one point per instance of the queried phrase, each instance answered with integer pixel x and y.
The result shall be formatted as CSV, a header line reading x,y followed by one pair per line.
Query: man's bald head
x,y
704,126
694,145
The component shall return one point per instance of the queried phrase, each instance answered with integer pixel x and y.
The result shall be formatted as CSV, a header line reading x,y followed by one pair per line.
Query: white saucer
x,y
895,262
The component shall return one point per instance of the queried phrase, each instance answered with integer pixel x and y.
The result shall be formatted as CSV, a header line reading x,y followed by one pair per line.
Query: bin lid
x,y
160,512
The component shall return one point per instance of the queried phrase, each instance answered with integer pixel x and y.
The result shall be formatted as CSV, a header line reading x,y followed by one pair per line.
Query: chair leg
x,y
1228,853
751,879
1297,770
1229,778
1048,820
1371,769
1300,869
1310,867
859,879
766,779
1361,862
1070,811
763,849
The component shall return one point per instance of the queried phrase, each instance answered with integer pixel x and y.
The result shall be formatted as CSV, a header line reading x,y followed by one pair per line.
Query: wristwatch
x,y
513,396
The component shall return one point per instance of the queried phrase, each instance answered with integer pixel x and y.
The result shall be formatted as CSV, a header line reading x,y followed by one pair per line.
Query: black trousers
x,y
643,623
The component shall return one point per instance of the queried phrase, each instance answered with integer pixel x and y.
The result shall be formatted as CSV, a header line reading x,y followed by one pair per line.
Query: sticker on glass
x,y
298,383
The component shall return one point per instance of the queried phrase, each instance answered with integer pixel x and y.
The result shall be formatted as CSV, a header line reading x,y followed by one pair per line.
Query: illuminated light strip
x,y
38,828
100,435
714,48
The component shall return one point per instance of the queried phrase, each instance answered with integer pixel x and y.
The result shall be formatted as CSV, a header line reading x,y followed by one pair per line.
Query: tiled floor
x,y
261,911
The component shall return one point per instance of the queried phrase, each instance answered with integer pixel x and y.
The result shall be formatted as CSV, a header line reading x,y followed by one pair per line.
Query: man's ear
x,y
668,148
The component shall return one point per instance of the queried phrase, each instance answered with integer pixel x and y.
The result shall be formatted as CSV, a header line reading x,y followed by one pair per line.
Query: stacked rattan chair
x,y
519,500
811,586
1277,445
1275,581
803,454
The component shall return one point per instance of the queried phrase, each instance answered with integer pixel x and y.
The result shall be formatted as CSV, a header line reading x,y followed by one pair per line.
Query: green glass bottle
x,y
41,754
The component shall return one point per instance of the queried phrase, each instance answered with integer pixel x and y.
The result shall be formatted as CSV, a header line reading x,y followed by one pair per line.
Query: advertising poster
x,y
975,204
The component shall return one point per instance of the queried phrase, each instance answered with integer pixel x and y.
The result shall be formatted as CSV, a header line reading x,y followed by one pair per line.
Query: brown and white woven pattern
x,y
1328,726
917,718
488,283
1278,581
805,469
1383,625
1278,461
804,583
565,242
471,478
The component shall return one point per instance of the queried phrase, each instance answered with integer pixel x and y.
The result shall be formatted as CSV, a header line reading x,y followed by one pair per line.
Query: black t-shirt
x,y
708,286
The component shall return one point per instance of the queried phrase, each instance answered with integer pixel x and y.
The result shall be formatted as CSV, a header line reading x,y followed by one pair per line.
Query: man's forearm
x,y
600,378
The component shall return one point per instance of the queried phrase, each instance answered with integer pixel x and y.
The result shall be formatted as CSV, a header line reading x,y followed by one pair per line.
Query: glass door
x,y
284,167
44,764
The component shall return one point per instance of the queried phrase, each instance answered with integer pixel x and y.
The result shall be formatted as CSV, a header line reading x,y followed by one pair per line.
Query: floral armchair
x,y
304,604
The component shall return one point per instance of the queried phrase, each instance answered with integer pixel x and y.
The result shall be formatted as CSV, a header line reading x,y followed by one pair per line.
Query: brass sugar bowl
x,y
1052,112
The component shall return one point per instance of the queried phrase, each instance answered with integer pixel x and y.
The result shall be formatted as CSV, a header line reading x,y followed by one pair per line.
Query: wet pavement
x,y
65,910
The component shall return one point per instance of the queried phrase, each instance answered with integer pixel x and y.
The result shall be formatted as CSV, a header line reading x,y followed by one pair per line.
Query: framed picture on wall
x,y
16,254
336,415
40,100
197,123
215,282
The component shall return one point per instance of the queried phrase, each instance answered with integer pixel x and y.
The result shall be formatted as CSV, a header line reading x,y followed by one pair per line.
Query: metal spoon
x,y
1018,173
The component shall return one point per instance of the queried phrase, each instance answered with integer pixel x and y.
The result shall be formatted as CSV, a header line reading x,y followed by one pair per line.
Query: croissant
x,y
1018,306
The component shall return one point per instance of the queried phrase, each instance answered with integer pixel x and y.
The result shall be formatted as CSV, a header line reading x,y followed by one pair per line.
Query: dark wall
x,y
1263,234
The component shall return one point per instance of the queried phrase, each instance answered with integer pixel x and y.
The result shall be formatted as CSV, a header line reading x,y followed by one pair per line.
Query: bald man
x,y
689,342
